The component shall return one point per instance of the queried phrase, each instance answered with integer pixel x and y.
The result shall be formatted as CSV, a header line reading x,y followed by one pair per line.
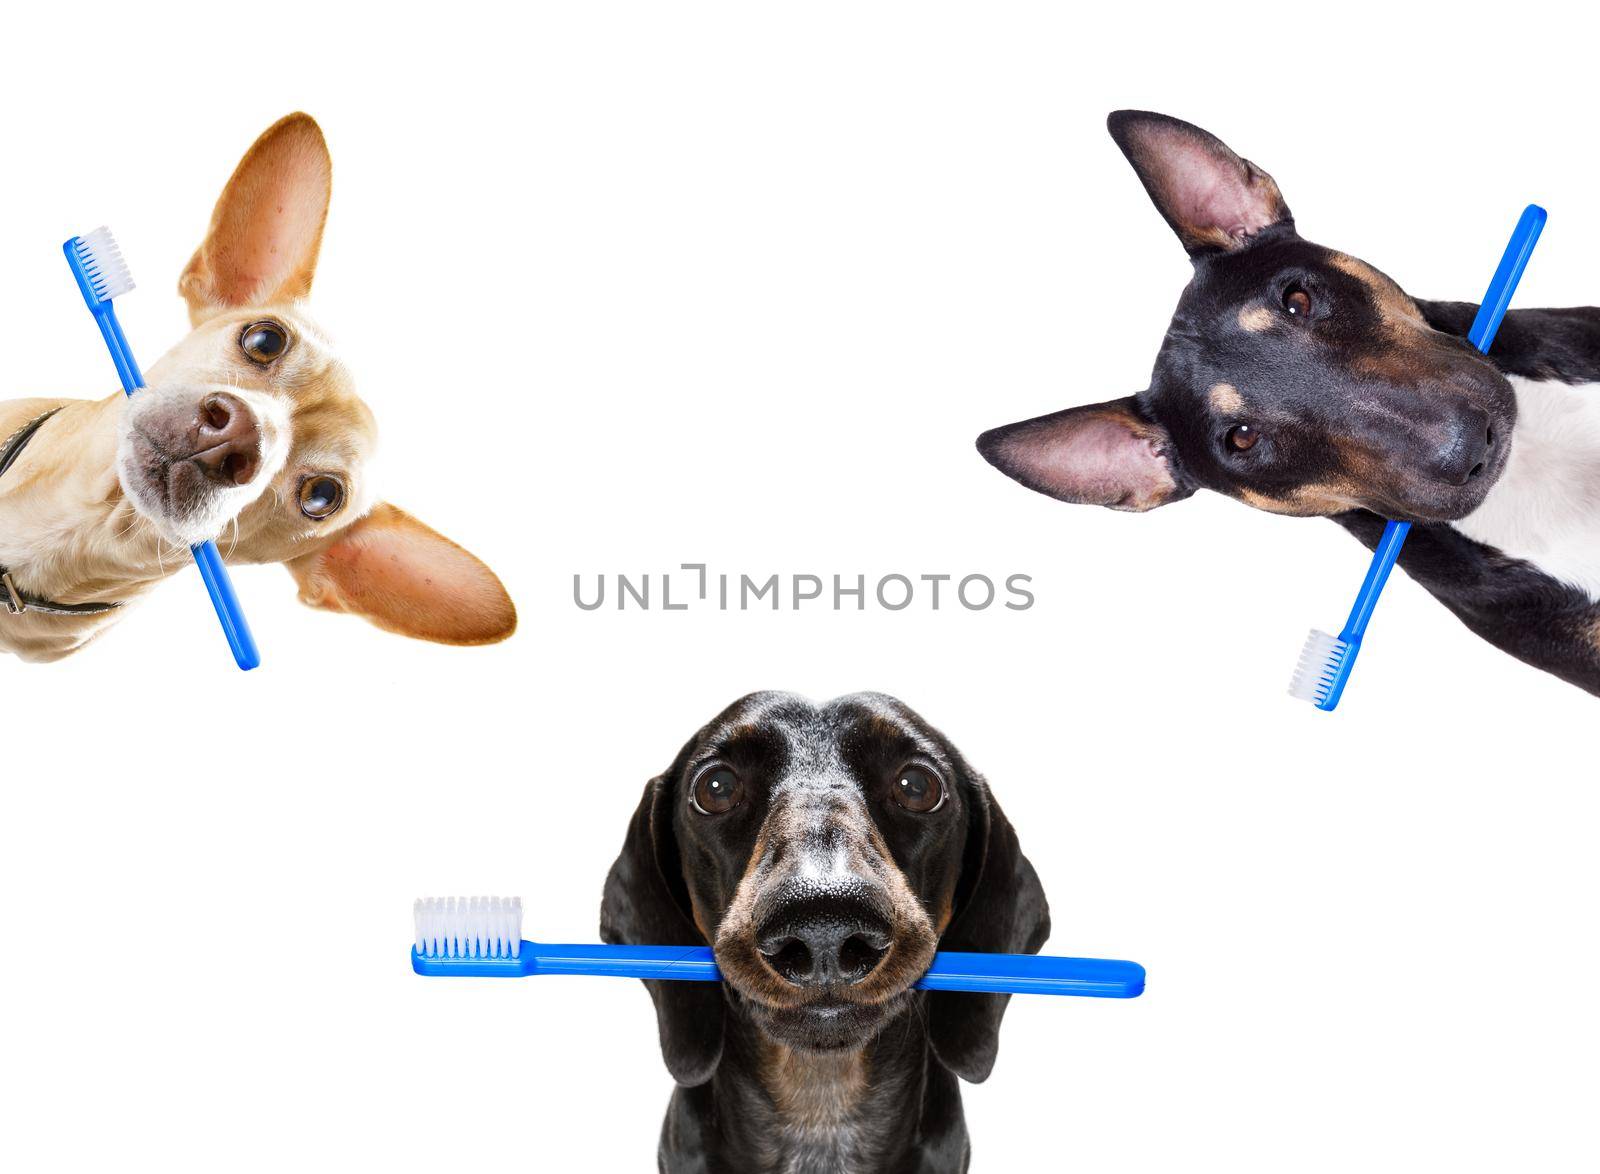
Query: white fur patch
x,y
1545,509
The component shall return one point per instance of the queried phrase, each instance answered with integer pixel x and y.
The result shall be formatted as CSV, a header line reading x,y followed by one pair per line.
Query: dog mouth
x,y
181,480
826,1023
1425,498
1437,466
797,1005
190,462
1447,483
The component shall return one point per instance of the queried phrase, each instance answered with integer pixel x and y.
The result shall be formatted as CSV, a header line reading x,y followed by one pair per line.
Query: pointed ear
x,y
391,569
1000,909
1102,454
645,904
1214,200
267,225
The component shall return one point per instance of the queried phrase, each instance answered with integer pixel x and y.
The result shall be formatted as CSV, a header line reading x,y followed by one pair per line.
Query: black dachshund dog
x,y
825,852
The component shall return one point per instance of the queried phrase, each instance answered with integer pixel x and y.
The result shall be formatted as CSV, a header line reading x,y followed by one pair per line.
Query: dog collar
x,y
15,600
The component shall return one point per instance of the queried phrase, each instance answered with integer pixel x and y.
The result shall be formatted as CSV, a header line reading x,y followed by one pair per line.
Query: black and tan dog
x,y
1301,380
825,852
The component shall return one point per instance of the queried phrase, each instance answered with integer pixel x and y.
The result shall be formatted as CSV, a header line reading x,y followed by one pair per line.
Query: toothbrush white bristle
x,y
469,927
102,261
1318,668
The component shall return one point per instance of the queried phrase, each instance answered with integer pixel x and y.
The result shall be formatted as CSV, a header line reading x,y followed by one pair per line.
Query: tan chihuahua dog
x,y
250,432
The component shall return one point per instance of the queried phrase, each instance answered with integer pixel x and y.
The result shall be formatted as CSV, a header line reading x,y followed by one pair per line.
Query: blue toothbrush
x,y
1326,661
102,275
481,937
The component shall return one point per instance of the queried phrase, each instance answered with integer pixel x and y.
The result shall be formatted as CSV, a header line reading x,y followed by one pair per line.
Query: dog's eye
x,y
1241,438
264,341
716,790
321,496
1296,302
916,788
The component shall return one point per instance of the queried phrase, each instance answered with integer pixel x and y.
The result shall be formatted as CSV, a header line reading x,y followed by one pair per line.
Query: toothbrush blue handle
x,y
1032,974
1019,974
105,317
1384,556
117,343
206,556
1497,300
229,614
692,963
1491,312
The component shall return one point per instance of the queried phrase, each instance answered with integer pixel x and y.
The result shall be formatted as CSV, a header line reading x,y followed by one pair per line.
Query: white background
x,y
635,286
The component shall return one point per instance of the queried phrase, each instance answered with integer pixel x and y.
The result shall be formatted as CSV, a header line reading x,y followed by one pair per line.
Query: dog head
x,y
1293,377
250,431
825,852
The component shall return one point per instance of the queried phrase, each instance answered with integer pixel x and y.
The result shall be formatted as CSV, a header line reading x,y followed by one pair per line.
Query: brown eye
x,y
918,789
1296,302
321,496
1242,438
716,790
264,341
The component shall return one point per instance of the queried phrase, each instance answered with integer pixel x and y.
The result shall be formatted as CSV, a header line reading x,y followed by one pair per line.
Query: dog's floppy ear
x,y
267,225
391,569
1214,200
646,904
1106,454
1000,908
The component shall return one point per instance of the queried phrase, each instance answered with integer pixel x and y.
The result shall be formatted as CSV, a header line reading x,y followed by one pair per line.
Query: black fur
x,y
1562,345
1516,607
1303,381
679,867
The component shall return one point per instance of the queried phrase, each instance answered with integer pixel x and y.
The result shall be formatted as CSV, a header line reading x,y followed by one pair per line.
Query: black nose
x,y
227,441
823,940
1465,455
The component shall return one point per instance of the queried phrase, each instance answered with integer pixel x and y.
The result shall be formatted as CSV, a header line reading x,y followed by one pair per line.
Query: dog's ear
x,y
1000,908
1106,454
391,569
1214,200
646,903
267,225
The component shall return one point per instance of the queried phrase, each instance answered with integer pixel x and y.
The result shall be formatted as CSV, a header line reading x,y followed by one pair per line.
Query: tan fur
x,y
700,922
278,193
368,573
1256,319
1393,302
790,819
813,1092
947,911
744,896
1226,400
74,529
1306,501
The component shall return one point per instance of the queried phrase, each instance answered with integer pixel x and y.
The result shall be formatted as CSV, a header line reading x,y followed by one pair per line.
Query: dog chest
x,y
1545,509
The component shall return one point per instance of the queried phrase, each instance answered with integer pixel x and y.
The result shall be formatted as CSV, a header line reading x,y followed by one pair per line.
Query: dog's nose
x,y
1467,452
227,440
825,941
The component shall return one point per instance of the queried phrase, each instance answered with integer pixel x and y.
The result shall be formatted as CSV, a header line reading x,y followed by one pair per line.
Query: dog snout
x,y
827,937
227,440
1465,453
